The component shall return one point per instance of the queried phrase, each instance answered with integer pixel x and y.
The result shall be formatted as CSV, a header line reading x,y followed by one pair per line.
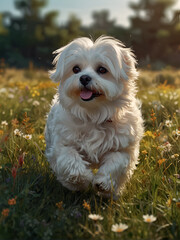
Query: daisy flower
x,y
118,228
4,123
36,103
10,95
166,147
27,136
175,155
168,123
176,133
3,90
17,132
149,218
95,217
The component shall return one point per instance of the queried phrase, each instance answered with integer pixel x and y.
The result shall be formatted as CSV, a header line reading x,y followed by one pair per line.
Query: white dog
x,y
95,120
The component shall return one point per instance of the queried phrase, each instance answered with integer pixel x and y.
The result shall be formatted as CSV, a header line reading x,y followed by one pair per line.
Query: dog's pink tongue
x,y
86,94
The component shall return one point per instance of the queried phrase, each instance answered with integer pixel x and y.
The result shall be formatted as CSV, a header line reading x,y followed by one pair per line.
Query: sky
x,y
119,9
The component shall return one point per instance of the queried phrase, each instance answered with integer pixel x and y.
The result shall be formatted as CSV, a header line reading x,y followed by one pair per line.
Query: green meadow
x,y
34,205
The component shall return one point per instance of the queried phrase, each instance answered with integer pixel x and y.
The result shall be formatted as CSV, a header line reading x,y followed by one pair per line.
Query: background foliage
x,y
33,37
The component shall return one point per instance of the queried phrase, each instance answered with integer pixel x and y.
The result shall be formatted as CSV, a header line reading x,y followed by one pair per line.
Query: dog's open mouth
x,y
87,94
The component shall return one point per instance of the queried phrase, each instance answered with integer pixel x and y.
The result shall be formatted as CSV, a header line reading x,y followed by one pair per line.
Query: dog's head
x,y
95,77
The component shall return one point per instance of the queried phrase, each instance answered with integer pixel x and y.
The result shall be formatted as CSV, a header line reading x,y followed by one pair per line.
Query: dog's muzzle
x,y
86,93
85,79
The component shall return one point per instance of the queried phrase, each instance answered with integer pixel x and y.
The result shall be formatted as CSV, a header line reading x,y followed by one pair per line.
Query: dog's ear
x,y
128,64
57,73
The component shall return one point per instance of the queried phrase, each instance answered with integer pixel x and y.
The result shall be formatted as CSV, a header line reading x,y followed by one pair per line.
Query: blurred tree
x,y
3,30
73,27
151,28
32,36
101,23
4,37
30,8
173,57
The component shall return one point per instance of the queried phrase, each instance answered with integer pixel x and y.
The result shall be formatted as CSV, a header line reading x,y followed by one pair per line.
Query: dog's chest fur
x,y
94,141
91,140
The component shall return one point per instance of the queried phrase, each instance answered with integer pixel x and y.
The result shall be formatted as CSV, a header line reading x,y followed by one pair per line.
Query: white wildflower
x,y
175,155
95,217
149,218
4,123
29,100
166,147
17,132
178,111
118,228
27,136
176,133
10,95
36,103
3,90
168,123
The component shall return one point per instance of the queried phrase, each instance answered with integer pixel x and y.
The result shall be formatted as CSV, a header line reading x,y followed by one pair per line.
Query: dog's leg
x,y
112,172
71,170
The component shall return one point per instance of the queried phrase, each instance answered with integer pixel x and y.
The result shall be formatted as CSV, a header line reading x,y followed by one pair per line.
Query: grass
x,y
33,204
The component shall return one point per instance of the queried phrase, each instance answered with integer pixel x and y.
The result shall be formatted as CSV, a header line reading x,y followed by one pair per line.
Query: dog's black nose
x,y
85,79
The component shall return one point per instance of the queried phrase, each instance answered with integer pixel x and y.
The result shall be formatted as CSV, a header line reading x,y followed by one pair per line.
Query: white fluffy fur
x,y
103,133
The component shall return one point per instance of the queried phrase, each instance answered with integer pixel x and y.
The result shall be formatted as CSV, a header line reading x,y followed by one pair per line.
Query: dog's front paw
x,y
103,183
76,181
105,186
72,171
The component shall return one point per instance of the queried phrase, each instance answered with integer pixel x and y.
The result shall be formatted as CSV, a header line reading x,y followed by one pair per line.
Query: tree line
x,y
32,37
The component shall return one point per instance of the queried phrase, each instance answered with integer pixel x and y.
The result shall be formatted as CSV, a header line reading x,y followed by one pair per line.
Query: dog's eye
x,y
76,69
102,70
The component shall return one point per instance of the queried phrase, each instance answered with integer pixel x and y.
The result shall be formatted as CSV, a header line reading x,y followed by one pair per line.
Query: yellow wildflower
x,y
87,206
94,170
41,137
1,132
178,204
161,161
5,212
168,203
144,152
12,201
59,205
149,134
153,115
35,92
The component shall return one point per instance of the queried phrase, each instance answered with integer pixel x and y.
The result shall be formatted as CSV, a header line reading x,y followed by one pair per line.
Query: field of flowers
x,y
33,205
